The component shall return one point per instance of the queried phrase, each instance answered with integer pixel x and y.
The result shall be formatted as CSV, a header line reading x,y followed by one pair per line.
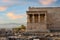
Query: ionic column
x,y
33,18
39,18
28,20
45,18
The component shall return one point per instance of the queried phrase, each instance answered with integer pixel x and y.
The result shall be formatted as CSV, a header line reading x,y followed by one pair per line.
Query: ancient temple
x,y
43,18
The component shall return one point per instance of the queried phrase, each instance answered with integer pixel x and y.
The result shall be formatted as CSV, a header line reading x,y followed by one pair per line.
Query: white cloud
x,y
11,15
5,0
10,3
2,8
47,2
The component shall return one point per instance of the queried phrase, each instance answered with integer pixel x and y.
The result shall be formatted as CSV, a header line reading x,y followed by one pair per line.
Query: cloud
x,y
2,8
10,3
47,2
13,16
5,0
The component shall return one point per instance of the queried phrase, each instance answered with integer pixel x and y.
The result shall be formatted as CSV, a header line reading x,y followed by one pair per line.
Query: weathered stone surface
x,y
52,18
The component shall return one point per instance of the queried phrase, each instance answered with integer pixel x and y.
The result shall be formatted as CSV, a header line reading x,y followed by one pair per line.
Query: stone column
x,y
28,20
39,18
45,18
33,18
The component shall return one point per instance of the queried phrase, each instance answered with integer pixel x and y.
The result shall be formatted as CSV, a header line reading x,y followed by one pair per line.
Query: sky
x,y
14,11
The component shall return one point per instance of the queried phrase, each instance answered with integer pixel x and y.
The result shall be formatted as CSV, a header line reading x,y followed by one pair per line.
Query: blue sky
x,y
14,11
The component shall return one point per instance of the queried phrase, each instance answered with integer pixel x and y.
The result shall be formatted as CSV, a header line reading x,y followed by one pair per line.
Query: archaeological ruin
x,y
43,19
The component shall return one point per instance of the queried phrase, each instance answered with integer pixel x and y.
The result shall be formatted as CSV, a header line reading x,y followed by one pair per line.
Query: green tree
x,y
23,27
20,28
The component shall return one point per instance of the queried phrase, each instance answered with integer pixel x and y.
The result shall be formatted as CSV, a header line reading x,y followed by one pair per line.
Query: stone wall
x,y
52,16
